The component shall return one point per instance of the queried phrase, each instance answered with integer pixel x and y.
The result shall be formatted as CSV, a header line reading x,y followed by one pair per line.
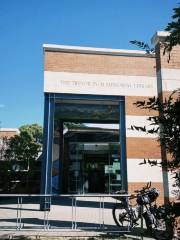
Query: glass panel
x,y
55,160
75,168
87,112
114,169
94,168
86,152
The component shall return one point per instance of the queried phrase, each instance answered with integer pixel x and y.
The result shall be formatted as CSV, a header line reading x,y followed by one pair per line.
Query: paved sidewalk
x,y
91,221
70,235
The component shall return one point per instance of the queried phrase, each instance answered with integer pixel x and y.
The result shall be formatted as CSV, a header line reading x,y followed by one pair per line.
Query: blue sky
x,y
26,24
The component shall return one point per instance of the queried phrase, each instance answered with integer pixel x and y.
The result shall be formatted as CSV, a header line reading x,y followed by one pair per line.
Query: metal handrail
x,y
47,203
65,195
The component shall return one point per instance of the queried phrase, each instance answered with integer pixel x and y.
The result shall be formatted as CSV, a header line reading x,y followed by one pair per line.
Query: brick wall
x,y
131,108
138,185
7,133
162,60
99,64
143,148
137,148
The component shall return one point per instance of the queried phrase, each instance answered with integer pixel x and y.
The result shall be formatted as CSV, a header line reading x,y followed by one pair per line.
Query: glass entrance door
x,y
94,168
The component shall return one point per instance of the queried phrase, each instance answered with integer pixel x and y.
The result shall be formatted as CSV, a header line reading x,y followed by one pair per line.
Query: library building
x,y
89,95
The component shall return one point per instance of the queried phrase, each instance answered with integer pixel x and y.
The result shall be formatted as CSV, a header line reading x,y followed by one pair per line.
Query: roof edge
x,y
9,130
91,50
159,36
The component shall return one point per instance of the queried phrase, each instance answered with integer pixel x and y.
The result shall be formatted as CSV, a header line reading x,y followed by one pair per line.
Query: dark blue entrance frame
x,y
49,107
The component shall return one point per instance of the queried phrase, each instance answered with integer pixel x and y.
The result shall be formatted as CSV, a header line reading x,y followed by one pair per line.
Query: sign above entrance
x,y
99,84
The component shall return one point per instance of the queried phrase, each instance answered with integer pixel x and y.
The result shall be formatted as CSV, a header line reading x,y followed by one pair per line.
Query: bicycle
x,y
125,214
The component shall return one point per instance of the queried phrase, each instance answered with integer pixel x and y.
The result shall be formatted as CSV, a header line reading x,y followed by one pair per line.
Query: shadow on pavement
x,y
62,201
55,224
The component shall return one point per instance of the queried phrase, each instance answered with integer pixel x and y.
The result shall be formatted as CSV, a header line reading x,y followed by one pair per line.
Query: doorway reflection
x,y
92,166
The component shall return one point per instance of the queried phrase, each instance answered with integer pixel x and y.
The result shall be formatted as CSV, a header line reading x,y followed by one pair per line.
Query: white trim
x,y
103,125
139,121
171,74
168,79
144,172
159,36
91,50
170,85
9,130
99,84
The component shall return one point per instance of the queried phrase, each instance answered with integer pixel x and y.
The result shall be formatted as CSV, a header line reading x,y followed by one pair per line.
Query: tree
x,y
4,141
72,125
171,41
144,46
23,149
167,125
4,173
35,130
22,152
174,28
169,110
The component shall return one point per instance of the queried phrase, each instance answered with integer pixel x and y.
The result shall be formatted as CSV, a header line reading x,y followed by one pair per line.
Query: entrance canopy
x,y
83,159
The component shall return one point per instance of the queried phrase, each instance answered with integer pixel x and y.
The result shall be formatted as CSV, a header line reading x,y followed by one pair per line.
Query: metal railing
x,y
22,199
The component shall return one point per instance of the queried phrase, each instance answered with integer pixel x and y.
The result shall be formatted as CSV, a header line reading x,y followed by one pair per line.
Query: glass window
x,y
94,168
86,150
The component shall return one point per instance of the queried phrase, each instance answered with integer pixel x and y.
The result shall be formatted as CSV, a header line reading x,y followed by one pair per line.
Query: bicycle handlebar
x,y
132,197
143,190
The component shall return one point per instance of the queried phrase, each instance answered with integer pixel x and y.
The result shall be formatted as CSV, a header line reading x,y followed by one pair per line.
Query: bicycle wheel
x,y
155,226
158,218
121,215
160,232
149,220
